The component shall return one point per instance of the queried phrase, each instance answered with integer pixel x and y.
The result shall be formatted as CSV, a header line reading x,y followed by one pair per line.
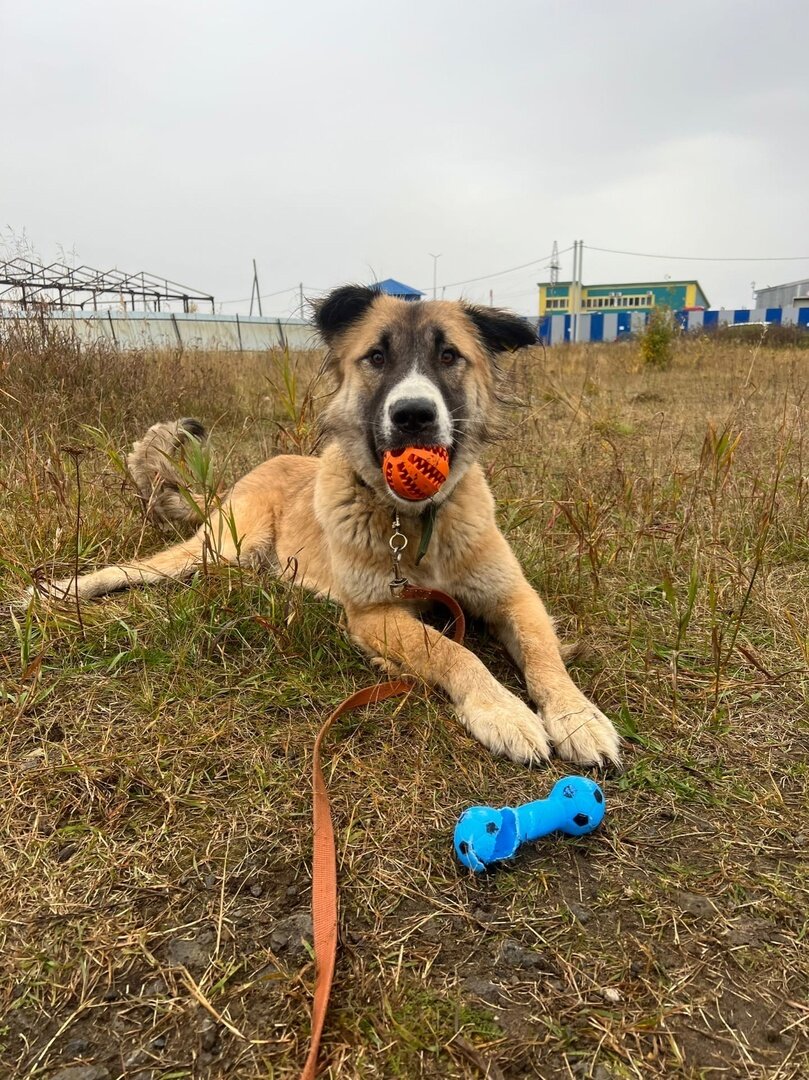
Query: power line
x,y
500,273
264,296
278,292
702,258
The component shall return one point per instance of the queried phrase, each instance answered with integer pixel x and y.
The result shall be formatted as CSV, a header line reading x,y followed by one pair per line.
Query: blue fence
x,y
609,326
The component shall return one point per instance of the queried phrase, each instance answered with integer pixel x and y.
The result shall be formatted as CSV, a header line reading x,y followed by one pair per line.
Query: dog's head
x,y
413,374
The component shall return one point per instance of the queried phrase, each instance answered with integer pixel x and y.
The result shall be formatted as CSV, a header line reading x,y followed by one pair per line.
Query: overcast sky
x,y
339,140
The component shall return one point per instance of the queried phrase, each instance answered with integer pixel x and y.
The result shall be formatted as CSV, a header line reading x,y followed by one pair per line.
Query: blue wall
x,y
605,326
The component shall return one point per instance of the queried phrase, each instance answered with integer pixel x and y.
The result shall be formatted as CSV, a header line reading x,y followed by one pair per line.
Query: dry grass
x,y
154,876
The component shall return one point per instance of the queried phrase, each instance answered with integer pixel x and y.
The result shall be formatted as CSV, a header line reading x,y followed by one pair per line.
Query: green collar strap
x,y
427,526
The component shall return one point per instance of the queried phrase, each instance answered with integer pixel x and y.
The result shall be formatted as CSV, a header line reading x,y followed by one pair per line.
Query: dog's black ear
x,y
501,330
342,307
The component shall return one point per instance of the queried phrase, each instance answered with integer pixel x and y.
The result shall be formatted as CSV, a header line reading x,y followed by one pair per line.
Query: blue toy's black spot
x,y
598,796
491,827
463,847
569,791
581,819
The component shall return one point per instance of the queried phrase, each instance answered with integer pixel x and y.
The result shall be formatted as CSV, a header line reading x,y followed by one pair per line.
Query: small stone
x,y
159,1043
580,913
289,934
191,954
256,889
482,988
154,988
77,1047
210,881
750,931
611,995
209,1036
292,890
516,955
695,904
32,760
81,1072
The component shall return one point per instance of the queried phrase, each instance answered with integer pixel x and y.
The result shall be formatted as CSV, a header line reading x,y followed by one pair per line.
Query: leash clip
x,y
397,544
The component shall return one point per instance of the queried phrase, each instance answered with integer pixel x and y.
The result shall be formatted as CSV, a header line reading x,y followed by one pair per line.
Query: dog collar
x,y
427,526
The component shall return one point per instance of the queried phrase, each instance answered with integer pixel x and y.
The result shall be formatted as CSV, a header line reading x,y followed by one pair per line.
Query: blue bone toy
x,y
484,835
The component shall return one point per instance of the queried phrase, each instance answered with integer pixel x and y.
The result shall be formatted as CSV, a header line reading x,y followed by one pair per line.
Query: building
x,y
635,296
391,287
793,294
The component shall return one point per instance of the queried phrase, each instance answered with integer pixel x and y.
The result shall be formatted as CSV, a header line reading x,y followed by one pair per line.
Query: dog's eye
x,y
448,356
376,358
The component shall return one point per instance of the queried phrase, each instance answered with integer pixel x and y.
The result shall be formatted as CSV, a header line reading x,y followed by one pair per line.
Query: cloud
x,y
330,139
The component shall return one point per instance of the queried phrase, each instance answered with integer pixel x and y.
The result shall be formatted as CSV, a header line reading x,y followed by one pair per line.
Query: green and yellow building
x,y
557,299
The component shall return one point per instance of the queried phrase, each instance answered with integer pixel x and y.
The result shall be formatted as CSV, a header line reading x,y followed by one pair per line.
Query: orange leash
x,y
324,852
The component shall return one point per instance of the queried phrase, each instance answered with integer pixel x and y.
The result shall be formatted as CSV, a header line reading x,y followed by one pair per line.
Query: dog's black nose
x,y
412,415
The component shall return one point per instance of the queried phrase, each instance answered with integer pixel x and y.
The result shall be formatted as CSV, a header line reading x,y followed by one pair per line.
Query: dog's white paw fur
x,y
507,727
580,732
49,590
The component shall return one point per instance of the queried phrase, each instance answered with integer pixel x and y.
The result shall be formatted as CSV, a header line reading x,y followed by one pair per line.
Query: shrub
x,y
657,341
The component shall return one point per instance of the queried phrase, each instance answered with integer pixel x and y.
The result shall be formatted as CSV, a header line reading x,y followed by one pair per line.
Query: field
x,y
154,867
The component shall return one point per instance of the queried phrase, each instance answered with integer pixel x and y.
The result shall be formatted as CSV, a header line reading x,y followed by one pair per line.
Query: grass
x,y
154,872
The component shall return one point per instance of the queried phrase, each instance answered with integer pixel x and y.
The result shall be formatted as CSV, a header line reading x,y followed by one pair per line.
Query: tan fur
x,y
327,520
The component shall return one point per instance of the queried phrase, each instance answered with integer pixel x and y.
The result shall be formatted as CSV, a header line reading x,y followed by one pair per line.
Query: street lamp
x,y
435,259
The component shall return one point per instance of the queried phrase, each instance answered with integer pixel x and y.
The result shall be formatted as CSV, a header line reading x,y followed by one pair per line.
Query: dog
x,y
405,374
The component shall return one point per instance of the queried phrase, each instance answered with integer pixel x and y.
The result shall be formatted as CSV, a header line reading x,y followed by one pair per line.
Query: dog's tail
x,y
158,463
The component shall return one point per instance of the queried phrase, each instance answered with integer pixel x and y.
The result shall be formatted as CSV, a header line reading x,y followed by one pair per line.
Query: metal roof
x,y
31,284
396,288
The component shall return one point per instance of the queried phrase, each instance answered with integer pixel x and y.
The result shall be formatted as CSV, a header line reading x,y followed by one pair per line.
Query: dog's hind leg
x,y
216,541
173,564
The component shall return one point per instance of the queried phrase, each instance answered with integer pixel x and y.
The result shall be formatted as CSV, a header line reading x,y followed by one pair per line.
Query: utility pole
x,y
554,267
301,292
254,292
576,289
579,290
491,298
572,292
435,259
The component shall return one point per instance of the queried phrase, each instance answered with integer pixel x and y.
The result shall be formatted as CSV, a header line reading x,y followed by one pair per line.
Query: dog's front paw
x,y
507,727
580,732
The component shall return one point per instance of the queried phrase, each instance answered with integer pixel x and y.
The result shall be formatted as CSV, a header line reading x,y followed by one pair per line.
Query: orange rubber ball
x,y
417,472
